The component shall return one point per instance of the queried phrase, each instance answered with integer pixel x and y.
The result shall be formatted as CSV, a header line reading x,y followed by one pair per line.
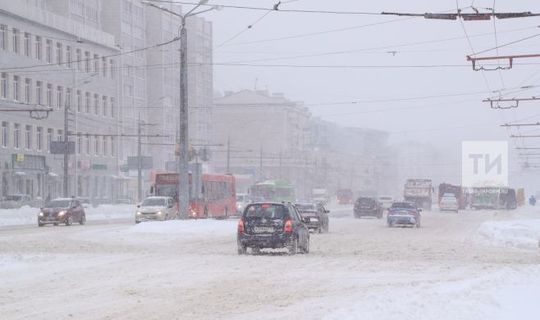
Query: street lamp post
x,y
183,132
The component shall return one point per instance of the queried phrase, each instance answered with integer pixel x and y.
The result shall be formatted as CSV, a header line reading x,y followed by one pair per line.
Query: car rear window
x,y
306,207
266,210
403,205
366,201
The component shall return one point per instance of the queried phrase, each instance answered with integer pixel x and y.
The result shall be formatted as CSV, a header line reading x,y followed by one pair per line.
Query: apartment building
x,y
51,60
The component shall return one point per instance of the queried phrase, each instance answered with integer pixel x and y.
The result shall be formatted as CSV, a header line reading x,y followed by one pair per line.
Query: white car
x,y
449,203
242,200
386,202
156,208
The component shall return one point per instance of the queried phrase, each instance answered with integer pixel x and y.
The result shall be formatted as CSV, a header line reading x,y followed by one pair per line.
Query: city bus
x,y
211,195
272,191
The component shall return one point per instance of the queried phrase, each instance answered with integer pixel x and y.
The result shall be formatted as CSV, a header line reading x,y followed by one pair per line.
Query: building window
x,y
111,63
87,102
87,144
112,108
104,66
105,106
16,91
59,97
27,90
96,145
105,146
79,101
27,44
39,138
78,56
17,136
87,61
49,95
28,138
49,139
3,36
59,53
48,51
39,93
5,134
68,56
79,143
68,98
60,135
112,146
16,40
96,104
4,86
96,63
38,46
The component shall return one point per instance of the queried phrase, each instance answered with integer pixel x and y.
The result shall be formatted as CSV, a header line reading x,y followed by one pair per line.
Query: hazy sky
x,y
445,119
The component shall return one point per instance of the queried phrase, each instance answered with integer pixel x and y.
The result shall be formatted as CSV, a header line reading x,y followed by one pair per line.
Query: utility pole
x,y
261,165
139,161
228,155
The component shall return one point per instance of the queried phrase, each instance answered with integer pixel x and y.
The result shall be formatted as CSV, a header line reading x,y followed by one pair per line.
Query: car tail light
x,y
287,228
241,226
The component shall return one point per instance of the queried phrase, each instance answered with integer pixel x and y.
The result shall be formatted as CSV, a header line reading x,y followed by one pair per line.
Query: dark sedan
x,y
368,207
62,210
273,226
314,215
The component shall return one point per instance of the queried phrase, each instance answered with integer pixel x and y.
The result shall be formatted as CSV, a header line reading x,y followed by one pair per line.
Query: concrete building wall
x,y
51,64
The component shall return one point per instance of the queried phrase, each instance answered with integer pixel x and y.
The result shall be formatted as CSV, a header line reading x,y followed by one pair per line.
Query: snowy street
x,y
190,269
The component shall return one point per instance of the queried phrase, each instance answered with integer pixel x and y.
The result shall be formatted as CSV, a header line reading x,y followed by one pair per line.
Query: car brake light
x,y
287,228
241,225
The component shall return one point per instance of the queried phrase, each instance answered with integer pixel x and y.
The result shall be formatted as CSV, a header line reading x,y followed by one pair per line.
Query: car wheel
x,y
306,247
40,224
320,229
418,225
256,251
137,222
326,227
226,212
242,249
205,212
56,223
293,247
83,220
69,221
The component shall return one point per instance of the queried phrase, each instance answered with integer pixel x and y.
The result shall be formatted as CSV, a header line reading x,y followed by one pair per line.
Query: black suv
x,y
367,206
272,225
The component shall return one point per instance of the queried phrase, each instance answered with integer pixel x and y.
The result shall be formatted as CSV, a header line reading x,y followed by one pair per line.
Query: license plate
x,y
263,229
313,220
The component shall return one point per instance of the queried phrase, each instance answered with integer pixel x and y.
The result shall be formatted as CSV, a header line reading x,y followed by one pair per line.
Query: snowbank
x,y
203,228
524,234
28,215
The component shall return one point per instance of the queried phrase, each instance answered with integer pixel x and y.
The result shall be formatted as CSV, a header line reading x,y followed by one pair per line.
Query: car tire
x,y
418,225
320,229
40,224
83,220
326,228
69,221
242,250
292,248
255,251
305,250
56,223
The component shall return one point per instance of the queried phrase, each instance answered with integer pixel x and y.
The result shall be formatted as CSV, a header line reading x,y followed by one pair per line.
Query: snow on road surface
x,y
189,269
523,234
28,215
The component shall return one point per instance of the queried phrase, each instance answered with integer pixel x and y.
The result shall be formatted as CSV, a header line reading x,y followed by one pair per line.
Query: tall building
x,y
50,59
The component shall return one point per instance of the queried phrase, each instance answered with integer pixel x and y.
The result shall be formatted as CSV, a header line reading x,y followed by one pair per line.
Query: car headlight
x,y
41,214
61,213
138,213
159,212
193,213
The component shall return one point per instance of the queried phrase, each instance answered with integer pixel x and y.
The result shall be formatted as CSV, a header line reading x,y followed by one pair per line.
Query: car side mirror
x,y
138,206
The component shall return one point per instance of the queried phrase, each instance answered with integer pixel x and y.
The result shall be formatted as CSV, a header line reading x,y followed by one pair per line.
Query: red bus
x,y
211,196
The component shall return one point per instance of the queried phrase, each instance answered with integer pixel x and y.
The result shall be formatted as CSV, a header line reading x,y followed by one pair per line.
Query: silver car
x,y
156,208
449,203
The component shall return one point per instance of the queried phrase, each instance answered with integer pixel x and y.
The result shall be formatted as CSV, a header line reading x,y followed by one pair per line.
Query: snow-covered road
x,y
190,270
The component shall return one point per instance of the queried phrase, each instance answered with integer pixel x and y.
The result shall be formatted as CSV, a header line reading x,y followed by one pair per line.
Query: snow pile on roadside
x,y
28,215
203,228
524,234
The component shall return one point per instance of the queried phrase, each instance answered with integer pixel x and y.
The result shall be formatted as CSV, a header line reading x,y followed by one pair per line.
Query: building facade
x,y
48,59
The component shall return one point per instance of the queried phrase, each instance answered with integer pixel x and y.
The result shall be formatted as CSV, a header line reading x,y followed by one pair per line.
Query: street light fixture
x,y
183,159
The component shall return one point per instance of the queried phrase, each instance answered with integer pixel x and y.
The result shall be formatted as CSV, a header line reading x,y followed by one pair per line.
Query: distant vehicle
x,y
457,191
345,196
386,201
448,202
314,215
156,208
272,225
272,191
368,207
242,200
320,195
62,210
404,213
419,191
493,198
123,201
211,195
15,201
